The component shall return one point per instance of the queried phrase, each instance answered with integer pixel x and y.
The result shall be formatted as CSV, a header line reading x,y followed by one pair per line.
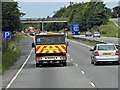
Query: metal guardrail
x,y
95,41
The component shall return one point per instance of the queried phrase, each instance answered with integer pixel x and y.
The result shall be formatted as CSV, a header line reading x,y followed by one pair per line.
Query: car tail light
x,y
38,58
117,53
96,53
63,58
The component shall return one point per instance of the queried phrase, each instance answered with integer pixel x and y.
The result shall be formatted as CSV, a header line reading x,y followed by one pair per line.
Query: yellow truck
x,y
50,48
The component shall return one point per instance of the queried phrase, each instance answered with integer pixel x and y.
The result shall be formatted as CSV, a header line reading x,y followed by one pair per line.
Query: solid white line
x,y
116,24
68,55
19,70
92,84
83,72
81,43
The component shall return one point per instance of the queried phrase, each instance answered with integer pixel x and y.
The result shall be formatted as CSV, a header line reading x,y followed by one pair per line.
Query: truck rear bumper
x,y
51,61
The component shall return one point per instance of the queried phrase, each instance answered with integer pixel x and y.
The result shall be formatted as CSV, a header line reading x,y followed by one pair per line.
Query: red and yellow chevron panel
x,y
50,49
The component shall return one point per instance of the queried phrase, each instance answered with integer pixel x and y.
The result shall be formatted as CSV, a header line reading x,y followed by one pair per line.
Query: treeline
x,y
87,15
116,12
11,16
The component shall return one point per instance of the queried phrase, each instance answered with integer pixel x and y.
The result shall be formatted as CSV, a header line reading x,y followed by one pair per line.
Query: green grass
x,y
109,30
10,55
119,49
85,42
0,62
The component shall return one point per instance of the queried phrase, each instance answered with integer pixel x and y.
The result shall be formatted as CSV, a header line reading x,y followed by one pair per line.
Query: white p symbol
x,y
7,34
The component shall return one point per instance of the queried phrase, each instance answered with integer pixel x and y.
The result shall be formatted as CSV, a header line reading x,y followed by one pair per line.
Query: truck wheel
x,y
64,63
37,64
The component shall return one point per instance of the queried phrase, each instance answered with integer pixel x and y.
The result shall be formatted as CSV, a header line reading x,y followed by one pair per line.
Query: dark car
x,y
88,34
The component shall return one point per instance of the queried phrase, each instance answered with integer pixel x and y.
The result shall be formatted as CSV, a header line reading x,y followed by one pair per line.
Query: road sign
x,y
7,34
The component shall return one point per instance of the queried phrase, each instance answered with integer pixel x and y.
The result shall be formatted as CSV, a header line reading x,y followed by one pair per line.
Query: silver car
x,y
104,53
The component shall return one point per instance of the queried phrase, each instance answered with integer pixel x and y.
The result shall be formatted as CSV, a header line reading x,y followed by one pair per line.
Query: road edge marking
x,y
81,43
16,75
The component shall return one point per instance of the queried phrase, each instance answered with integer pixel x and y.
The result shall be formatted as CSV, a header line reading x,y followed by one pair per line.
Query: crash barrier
x,y
92,41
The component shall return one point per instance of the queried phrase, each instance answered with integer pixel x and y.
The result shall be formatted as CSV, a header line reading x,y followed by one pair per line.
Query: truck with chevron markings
x,y
50,48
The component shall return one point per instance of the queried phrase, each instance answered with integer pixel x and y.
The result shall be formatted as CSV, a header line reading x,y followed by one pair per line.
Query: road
x,y
105,39
78,73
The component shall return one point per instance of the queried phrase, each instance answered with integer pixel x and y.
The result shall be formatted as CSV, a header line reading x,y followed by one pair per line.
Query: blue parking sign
x,y
7,34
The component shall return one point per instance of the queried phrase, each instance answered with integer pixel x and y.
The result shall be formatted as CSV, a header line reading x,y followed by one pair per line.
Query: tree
x,y
11,16
87,15
116,12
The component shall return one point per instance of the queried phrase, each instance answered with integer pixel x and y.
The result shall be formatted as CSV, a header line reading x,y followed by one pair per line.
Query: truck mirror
x,y
67,43
33,44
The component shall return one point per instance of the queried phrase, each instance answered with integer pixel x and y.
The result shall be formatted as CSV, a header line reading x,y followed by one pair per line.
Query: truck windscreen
x,y
58,39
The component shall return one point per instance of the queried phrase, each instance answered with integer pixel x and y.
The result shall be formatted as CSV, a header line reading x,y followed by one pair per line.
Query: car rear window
x,y
96,33
106,47
88,33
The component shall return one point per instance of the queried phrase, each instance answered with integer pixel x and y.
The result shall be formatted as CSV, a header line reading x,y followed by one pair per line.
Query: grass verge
x,y
9,57
0,62
108,30
12,53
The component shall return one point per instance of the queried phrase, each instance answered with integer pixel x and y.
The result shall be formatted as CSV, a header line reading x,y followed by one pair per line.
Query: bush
x,y
11,53
9,57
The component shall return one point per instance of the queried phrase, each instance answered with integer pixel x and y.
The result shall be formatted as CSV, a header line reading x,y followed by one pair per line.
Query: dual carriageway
x,y
79,72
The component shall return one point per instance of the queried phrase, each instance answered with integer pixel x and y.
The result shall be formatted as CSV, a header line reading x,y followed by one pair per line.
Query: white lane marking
x,y
19,70
116,24
83,72
68,55
92,84
75,64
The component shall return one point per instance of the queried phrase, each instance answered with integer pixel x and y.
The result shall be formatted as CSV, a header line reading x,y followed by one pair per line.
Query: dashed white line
x,y
75,64
83,72
92,84
19,70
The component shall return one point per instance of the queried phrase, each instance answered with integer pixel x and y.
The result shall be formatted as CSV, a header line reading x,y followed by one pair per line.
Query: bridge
x,y
42,20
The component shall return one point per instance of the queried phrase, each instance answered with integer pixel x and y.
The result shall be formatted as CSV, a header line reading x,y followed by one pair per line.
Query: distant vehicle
x,y
31,31
88,33
96,34
75,29
104,53
69,34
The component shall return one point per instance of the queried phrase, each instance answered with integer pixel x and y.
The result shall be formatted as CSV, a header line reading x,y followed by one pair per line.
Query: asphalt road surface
x,y
78,73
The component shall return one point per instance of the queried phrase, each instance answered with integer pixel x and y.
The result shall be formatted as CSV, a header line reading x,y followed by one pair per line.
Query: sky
x,y
40,9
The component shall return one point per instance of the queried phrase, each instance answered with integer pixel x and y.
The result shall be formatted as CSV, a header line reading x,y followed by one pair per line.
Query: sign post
x,y
6,36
